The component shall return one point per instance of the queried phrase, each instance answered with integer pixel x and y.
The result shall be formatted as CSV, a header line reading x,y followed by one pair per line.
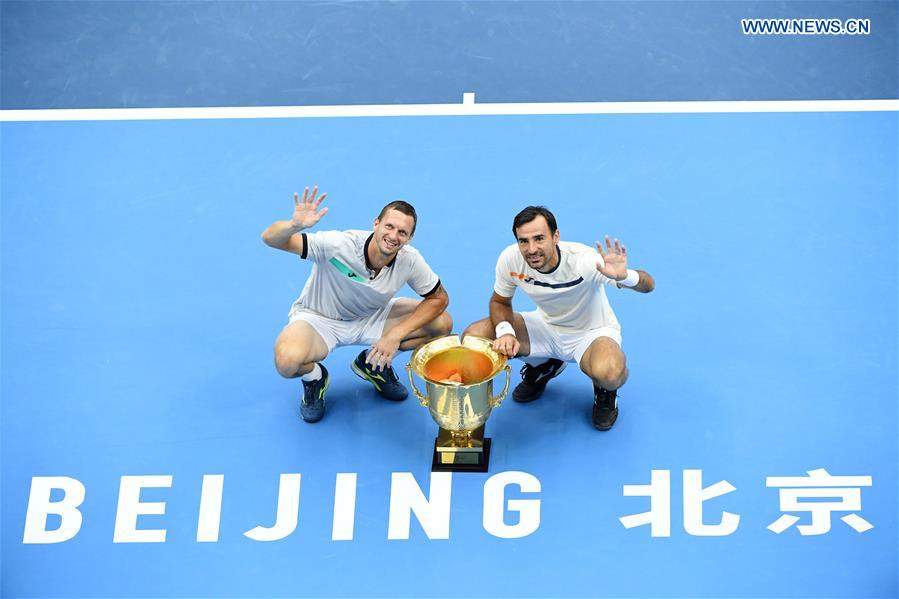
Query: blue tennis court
x,y
140,308
150,448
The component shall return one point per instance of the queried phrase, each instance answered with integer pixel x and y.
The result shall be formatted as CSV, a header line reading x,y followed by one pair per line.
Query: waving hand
x,y
614,258
306,213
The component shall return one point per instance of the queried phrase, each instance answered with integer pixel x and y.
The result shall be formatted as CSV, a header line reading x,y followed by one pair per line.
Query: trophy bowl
x,y
458,375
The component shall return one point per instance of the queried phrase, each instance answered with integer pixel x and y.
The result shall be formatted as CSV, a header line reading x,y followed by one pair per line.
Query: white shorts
x,y
362,331
548,341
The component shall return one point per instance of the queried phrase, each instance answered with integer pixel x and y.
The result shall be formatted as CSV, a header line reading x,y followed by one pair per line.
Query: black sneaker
x,y
312,406
385,381
605,408
534,379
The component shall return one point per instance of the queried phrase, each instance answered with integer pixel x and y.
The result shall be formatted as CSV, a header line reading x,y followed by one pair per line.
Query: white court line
x,y
468,107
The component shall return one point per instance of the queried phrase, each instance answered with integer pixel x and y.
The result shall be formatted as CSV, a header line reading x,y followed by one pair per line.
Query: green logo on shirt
x,y
346,270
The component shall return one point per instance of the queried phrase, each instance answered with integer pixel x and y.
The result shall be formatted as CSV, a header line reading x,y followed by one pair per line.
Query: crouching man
x,y
349,299
573,321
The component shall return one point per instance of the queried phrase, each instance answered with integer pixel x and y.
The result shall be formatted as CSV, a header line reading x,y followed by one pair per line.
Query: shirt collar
x,y
556,267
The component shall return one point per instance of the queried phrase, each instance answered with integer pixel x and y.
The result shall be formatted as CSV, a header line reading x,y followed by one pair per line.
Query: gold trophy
x,y
459,376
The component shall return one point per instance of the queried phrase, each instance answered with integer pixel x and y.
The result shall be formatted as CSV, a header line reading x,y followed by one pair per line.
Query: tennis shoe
x,y
605,408
385,381
534,379
312,406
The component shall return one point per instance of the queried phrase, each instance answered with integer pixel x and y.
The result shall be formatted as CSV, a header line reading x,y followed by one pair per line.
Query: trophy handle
x,y
497,400
422,399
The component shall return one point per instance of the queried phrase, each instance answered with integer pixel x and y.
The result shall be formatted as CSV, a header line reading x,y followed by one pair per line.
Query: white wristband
x,y
504,328
632,278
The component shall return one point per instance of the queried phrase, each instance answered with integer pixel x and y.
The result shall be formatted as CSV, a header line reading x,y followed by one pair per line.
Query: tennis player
x,y
573,321
349,299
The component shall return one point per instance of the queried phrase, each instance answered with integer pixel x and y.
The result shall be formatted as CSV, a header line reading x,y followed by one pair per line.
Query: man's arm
x,y
501,311
644,285
427,310
285,234
385,348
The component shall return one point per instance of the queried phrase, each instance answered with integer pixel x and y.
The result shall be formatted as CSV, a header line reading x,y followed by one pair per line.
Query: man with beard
x,y
349,299
573,321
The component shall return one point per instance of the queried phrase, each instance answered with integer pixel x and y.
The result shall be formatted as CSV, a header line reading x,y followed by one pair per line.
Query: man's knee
x,y
481,328
286,360
610,375
444,324
440,326
291,361
297,349
607,368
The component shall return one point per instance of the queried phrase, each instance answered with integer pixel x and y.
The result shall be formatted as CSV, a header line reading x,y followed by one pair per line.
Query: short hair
x,y
404,207
529,214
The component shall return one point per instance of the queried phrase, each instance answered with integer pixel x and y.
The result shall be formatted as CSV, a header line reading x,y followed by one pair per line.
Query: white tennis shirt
x,y
343,285
570,297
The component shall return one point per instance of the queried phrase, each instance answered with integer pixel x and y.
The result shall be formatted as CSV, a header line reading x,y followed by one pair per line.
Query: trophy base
x,y
467,459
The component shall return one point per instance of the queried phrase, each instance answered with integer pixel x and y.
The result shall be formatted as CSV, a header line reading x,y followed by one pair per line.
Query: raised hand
x,y
306,213
614,258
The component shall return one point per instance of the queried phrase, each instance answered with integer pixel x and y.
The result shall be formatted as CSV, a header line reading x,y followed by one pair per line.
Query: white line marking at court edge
x,y
468,107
